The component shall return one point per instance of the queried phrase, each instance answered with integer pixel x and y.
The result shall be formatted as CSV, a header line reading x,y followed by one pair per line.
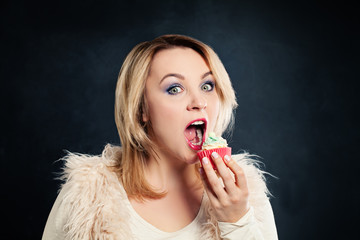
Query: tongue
x,y
190,133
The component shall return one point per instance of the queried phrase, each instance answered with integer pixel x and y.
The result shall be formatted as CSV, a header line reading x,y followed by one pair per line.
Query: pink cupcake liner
x,y
221,151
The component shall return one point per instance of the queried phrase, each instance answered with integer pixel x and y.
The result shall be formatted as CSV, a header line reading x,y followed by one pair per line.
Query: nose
x,y
197,102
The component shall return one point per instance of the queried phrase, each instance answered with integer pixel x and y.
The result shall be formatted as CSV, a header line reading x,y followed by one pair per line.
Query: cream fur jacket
x,y
90,204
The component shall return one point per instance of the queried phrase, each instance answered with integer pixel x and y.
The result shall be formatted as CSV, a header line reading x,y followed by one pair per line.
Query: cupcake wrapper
x,y
207,153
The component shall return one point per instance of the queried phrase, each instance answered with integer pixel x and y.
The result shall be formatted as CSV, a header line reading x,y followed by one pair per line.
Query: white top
x,y
245,228
141,229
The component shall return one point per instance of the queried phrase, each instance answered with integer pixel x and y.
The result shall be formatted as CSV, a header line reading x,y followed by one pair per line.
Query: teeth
x,y
198,123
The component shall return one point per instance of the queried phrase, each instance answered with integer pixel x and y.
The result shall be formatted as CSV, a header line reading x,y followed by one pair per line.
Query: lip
x,y
197,147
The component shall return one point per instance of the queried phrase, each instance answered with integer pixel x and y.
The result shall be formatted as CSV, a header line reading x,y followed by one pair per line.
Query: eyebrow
x,y
177,75
206,74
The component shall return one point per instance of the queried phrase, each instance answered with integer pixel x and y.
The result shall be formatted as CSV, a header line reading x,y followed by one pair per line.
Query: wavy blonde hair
x,y
130,106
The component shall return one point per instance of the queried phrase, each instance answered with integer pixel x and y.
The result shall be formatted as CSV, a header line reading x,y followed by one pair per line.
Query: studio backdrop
x,y
294,67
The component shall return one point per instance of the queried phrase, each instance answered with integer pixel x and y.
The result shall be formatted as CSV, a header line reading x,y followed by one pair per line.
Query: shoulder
x,y
255,176
259,194
251,166
77,165
83,173
90,195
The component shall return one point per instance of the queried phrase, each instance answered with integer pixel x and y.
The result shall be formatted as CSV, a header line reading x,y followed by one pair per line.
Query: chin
x,y
192,158
183,154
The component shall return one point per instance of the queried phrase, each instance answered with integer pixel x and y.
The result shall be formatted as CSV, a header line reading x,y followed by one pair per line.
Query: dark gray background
x,y
294,66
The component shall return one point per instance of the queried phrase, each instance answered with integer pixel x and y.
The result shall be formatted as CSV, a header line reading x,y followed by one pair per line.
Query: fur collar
x,y
93,199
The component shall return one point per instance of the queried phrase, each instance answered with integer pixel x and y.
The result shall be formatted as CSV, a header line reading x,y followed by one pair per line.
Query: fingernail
x,y
205,160
214,154
227,158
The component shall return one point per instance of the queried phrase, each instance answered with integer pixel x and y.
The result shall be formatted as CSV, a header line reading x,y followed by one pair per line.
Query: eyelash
x,y
170,89
211,83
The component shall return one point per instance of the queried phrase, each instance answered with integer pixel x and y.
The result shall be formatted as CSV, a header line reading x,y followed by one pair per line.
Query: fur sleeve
x,y
258,198
92,194
256,183
259,194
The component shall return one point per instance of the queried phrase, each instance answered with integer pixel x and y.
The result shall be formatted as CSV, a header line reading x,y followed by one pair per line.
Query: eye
x,y
174,89
208,86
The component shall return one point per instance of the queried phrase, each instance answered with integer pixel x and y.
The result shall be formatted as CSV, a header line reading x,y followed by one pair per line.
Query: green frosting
x,y
212,139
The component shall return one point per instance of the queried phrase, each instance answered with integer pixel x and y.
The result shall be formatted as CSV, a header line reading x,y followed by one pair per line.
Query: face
x,y
182,103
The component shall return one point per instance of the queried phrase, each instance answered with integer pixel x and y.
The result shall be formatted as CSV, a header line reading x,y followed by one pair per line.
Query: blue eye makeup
x,y
208,86
174,89
177,88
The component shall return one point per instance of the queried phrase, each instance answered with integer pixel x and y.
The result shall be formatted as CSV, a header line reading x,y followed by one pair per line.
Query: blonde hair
x,y
130,106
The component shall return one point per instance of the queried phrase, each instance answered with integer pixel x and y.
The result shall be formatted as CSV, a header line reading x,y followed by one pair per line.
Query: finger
x,y
224,172
213,180
213,198
240,177
207,186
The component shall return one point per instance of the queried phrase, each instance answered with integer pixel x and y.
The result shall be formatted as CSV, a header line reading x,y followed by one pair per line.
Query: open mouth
x,y
195,133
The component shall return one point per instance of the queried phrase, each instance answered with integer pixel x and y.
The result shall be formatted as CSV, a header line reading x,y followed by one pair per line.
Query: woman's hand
x,y
230,200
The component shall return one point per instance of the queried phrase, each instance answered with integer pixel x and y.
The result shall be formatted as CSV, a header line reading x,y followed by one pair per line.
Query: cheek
x,y
162,116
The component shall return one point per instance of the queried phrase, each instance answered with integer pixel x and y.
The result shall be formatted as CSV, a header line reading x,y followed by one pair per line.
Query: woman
x,y
150,187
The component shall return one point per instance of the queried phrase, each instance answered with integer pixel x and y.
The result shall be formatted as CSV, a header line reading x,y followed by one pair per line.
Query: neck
x,y
166,174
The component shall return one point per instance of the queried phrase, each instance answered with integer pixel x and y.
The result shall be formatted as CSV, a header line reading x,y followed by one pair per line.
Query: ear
x,y
145,116
144,111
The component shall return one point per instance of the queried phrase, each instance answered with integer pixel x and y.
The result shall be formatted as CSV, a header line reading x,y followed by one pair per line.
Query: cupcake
x,y
214,144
